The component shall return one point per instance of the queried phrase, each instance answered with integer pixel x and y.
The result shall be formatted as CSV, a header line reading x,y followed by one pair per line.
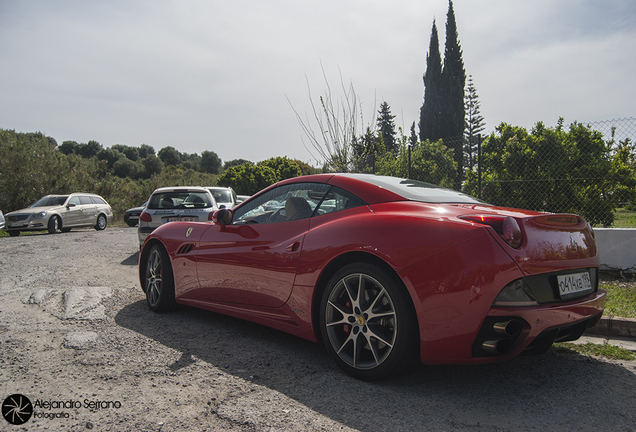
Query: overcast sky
x,y
223,75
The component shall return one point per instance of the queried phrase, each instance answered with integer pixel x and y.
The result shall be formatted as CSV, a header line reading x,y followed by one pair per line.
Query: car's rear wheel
x,y
159,280
367,322
54,225
101,222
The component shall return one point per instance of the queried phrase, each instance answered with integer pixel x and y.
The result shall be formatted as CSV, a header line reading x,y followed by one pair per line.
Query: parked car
x,y
241,198
131,216
225,196
384,270
57,213
171,204
1,220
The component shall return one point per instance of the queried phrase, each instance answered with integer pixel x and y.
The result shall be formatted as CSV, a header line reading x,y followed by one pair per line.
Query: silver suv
x,y
57,213
178,203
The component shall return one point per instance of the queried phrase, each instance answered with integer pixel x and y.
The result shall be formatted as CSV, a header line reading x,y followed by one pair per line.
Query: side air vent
x,y
184,249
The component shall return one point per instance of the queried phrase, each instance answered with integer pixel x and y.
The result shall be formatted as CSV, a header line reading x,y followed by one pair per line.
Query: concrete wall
x,y
617,248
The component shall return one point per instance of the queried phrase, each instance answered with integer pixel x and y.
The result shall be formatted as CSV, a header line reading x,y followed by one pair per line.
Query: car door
x,y
72,213
89,210
254,260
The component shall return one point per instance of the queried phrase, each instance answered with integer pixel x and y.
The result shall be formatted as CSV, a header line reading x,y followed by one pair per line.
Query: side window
x,y
74,200
284,203
97,200
337,199
85,200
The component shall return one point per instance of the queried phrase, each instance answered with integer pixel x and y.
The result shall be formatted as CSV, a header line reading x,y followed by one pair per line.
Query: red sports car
x,y
383,270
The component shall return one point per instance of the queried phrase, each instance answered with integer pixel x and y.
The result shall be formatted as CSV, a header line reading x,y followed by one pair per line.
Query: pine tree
x,y
430,113
386,129
474,123
453,81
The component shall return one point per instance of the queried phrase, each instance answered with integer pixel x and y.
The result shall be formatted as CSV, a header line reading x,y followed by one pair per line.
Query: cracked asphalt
x,y
77,339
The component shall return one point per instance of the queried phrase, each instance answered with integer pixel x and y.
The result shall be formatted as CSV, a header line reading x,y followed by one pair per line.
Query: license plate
x,y
16,224
574,283
181,219
133,217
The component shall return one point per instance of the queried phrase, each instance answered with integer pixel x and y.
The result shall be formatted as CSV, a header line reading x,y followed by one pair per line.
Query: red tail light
x,y
145,217
506,226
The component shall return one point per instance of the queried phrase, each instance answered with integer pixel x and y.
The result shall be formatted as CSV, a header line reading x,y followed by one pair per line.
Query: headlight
x,y
40,215
514,294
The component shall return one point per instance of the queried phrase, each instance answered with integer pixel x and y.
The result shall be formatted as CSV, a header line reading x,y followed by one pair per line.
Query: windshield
x,y
415,190
180,199
50,201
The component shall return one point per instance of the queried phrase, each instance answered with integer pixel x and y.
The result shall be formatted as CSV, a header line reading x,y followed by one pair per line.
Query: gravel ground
x,y
77,339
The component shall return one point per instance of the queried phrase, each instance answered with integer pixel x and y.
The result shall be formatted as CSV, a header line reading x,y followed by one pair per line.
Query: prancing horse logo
x,y
188,232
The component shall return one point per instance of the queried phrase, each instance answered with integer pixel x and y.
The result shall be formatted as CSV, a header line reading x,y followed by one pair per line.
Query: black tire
x,y
158,280
14,233
54,225
101,222
131,224
371,336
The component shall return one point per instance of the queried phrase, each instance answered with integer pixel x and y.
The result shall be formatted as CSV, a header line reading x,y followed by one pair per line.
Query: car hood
x,y
31,210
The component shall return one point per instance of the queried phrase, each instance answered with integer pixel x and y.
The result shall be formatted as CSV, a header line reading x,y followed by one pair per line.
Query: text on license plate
x,y
181,219
574,283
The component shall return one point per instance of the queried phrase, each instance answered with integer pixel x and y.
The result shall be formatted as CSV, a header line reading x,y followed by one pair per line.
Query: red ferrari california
x,y
384,270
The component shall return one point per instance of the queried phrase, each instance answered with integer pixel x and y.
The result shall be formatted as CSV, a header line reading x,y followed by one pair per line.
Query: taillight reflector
x,y
145,217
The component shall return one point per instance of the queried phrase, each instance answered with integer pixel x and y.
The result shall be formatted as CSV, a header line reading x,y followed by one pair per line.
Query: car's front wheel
x,y
367,322
54,225
158,280
101,222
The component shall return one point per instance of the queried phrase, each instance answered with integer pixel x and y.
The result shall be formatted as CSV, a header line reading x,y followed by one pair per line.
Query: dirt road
x,y
77,340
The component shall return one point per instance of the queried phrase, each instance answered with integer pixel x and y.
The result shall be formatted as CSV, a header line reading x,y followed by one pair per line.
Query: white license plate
x,y
133,217
181,219
574,283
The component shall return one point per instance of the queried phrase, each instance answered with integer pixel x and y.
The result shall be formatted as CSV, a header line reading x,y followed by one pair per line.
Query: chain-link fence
x,y
586,169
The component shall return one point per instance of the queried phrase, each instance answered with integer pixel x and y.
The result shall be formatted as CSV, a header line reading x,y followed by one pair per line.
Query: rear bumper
x,y
538,327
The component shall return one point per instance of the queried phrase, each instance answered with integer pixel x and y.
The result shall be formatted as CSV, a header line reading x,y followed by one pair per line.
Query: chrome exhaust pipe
x,y
497,347
507,328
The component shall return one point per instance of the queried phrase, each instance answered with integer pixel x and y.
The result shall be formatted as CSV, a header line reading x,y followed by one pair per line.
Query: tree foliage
x,y
442,114
431,163
550,169
431,111
474,124
247,179
283,167
386,129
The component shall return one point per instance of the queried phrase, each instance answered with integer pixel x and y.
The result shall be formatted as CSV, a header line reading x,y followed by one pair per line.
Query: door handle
x,y
293,247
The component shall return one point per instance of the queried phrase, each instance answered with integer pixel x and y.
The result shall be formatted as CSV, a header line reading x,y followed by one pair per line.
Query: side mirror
x,y
69,205
223,217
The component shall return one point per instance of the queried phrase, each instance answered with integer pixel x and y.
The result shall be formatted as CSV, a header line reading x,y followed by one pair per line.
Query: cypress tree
x,y
453,83
430,113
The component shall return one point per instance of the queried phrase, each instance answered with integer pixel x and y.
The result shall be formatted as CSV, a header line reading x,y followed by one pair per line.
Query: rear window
x,y
179,199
